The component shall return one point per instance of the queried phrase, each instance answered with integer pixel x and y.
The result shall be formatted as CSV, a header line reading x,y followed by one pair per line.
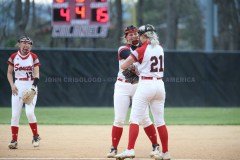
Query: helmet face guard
x,y
132,29
146,28
25,39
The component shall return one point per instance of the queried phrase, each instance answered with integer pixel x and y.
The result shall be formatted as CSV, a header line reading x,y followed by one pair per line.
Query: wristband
x,y
35,81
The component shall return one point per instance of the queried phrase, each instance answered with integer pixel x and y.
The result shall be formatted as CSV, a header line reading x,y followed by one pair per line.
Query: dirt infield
x,y
93,142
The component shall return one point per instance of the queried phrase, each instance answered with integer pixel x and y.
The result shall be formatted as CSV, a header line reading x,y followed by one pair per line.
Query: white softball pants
x,y
17,104
149,92
123,94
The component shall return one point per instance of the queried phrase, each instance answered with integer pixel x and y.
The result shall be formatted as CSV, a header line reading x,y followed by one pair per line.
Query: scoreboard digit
x,y
80,18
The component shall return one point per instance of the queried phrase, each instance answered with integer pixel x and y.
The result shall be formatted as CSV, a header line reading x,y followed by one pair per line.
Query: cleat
x,y
155,153
126,154
13,145
165,156
112,153
36,141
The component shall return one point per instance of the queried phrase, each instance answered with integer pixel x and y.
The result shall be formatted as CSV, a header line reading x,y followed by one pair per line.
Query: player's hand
x,y
14,90
33,88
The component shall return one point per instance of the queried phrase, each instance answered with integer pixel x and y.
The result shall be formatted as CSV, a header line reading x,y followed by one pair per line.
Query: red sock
x,y
151,133
14,133
34,128
133,134
116,135
163,134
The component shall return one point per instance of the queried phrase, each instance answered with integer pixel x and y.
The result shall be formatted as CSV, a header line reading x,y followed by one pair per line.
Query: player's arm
x,y
125,53
36,72
10,80
127,63
35,75
36,65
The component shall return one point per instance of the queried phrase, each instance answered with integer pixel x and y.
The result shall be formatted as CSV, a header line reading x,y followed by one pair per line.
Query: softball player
x,y
123,93
150,90
25,65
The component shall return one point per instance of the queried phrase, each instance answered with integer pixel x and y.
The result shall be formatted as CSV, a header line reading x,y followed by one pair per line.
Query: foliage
x,y
189,35
228,37
193,32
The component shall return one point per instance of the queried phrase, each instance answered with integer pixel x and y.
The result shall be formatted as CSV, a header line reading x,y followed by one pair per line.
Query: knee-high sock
x,y
116,135
163,134
14,130
133,134
151,133
34,128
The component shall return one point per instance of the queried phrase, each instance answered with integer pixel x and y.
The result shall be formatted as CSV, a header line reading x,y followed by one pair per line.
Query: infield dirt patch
x,y
83,141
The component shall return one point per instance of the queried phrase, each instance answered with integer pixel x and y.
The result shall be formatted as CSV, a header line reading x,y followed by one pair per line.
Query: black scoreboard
x,y
80,18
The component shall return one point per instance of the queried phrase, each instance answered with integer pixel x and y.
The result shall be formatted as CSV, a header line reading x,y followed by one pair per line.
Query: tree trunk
x,y
140,13
119,20
229,22
21,19
172,23
25,17
18,16
33,14
235,20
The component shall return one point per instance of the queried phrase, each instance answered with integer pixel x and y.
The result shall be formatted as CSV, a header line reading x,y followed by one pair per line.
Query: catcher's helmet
x,y
130,29
146,28
25,39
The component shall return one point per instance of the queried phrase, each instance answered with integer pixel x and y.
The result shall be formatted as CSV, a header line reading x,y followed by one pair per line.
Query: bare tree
x,y
18,15
21,16
5,20
140,12
172,23
229,24
33,14
119,18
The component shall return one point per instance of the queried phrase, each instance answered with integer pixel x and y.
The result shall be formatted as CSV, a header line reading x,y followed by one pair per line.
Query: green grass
x,y
104,116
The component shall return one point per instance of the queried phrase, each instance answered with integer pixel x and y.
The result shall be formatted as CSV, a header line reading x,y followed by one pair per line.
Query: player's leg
x,y
30,113
16,113
121,105
139,105
150,131
157,109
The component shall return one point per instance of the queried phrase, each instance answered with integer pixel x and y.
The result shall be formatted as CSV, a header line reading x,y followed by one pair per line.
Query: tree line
x,y
180,24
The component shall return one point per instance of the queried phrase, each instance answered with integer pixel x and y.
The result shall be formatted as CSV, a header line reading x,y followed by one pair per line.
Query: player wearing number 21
x,y
150,90
25,65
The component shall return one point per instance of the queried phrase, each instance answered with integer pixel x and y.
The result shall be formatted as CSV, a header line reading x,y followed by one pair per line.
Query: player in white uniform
x,y
25,65
150,90
123,94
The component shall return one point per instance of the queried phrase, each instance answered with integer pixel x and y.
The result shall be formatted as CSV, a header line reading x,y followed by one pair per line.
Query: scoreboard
x,y
80,18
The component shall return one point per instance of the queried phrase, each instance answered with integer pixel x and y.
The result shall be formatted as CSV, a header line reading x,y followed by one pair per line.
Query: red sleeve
x,y
11,59
36,61
141,51
121,51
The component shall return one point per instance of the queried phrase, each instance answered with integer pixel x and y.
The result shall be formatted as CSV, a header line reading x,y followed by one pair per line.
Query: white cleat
x,y
36,141
126,154
13,145
112,153
165,156
155,153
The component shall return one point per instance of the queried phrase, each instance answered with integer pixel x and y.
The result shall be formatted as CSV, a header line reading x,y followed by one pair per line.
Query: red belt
x,y
25,79
149,78
123,80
